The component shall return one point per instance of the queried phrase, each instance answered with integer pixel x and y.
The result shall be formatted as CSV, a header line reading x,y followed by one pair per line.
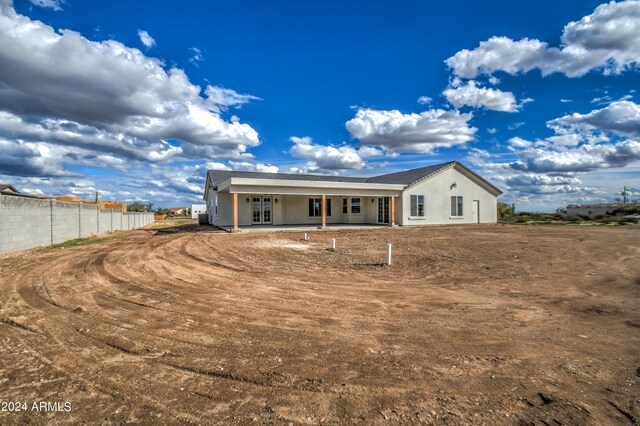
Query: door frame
x,y
475,210
388,210
260,200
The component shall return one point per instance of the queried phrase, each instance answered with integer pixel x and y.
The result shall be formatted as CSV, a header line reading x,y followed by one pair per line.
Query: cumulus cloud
x,y
602,139
424,100
587,157
546,170
331,158
608,39
146,39
396,132
105,104
621,117
473,95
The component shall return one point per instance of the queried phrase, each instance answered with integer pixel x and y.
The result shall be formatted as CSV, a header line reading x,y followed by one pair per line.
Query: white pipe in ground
x,y
333,244
389,254
305,236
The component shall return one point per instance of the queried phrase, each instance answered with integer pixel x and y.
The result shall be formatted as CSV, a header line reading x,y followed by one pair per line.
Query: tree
x,y
140,207
165,212
505,210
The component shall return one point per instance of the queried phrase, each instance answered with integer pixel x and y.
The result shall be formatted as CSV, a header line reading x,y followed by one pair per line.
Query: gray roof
x,y
5,186
409,176
406,177
219,176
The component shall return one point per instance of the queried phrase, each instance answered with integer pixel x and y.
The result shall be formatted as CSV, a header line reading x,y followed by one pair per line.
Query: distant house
x,y
8,189
446,193
197,209
114,205
591,210
177,210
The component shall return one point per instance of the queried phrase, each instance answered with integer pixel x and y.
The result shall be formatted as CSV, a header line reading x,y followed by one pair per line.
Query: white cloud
x,y
253,167
566,100
48,4
475,96
620,117
424,100
146,39
609,39
584,158
492,130
331,158
197,55
104,102
396,132
219,98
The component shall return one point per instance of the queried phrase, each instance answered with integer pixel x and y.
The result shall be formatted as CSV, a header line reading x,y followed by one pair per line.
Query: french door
x,y
383,210
261,210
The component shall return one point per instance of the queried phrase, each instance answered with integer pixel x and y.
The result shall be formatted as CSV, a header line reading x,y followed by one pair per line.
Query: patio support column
x,y
235,210
393,210
324,210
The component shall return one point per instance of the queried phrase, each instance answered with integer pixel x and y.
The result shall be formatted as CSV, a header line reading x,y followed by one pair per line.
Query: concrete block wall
x,y
65,221
116,220
24,223
32,222
88,219
104,221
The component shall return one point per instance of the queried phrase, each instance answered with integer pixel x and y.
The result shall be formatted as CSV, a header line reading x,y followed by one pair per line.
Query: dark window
x,y
345,205
456,206
355,205
315,207
417,205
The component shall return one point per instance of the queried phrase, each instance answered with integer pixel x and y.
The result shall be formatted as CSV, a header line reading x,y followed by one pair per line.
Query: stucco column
x,y
324,210
393,210
235,210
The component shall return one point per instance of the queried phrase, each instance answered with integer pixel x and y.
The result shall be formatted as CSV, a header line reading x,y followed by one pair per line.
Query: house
x,y
591,210
5,188
197,209
176,210
446,193
113,205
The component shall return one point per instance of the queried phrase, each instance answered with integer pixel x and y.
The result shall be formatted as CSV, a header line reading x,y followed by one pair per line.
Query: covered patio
x,y
272,203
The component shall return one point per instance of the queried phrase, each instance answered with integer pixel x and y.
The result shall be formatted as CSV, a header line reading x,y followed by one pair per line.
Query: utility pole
x,y
625,195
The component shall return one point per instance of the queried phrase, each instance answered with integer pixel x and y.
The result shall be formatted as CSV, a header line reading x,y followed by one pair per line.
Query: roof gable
x,y
410,176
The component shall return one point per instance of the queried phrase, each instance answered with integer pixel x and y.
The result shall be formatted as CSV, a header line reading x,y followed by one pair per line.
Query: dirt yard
x,y
470,325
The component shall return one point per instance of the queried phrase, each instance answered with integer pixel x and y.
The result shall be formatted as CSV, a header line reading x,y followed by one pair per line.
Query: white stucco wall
x,y
438,192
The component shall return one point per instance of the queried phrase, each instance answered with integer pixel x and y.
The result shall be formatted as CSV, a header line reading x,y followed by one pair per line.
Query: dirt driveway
x,y
471,324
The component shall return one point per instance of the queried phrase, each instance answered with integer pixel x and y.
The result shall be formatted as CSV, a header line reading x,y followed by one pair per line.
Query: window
x,y
345,205
315,207
355,205
456,206
417,205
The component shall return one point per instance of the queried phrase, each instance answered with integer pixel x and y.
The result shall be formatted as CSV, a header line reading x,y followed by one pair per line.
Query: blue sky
x,y
137,99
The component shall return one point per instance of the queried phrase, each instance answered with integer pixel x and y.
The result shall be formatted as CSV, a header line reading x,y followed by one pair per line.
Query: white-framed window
x,y
355,205
315,207
345,205
417,206
456,206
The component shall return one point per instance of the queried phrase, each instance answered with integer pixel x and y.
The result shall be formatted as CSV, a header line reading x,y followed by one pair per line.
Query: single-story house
x,y
198,209
446,193
591,210
176,210
8,189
